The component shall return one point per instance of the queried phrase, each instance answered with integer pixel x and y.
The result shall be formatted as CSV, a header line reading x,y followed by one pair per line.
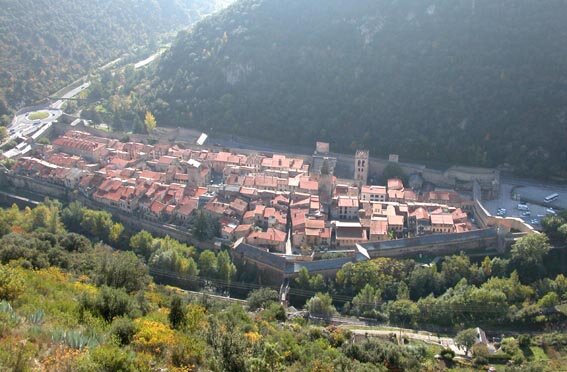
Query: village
x,y
287,205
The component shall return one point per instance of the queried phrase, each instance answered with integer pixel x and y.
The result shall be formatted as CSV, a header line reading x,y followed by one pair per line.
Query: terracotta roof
x,y
374,190
243,228
378,227
420,214
442,219
314,224
395,220
270,234
459,215
157,207
395,194
395,184
348,202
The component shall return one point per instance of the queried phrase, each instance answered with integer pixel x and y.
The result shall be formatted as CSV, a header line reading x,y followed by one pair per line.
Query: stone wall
x,y
438,244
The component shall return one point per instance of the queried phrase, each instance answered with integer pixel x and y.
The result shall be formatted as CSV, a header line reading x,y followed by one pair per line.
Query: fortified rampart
x,y
439,244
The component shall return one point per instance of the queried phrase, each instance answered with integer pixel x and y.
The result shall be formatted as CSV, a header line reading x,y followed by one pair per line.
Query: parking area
x,y
538,194
511,194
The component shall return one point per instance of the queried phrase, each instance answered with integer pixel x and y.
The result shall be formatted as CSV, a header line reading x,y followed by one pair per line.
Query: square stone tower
x,y
361,166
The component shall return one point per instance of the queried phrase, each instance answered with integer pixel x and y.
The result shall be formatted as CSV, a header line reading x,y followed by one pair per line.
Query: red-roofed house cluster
x,y
271,201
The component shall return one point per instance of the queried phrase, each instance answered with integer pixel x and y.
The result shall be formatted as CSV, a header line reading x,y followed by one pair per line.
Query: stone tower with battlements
x,y
361,167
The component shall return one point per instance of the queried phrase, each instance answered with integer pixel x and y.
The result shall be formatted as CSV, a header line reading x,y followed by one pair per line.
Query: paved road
x,y
148,60
70,94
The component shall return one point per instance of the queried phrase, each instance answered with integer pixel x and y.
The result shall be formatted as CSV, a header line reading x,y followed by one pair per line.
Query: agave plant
x,y
74,339
10,314
37,317
5,307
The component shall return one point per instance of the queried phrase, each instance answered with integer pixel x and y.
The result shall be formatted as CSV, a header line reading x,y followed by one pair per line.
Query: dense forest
x,y
474,82
77,293
46,45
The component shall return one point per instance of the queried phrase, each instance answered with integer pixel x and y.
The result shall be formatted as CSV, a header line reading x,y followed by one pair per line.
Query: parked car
x,y
523,207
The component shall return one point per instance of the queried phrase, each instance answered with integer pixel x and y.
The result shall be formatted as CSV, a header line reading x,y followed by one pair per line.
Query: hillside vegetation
x,y
69,302
475,82
46,45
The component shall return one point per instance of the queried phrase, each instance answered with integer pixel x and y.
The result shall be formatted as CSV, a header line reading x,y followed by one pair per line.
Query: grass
x,y
538,354
562,308
38,115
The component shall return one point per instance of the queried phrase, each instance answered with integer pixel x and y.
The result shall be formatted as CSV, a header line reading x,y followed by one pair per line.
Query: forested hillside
x,y
46,44
477,82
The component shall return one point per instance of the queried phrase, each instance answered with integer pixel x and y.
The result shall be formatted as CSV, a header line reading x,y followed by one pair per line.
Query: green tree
x,y
466,339
302,279
150,122
177,318
142,244
204,227
121,270
321,305
424,281
225,267
3,133
404,312
367,300
97,223
208,264
403,291
73,215
527,256
115,233
261,298
550,300
562,232
455,268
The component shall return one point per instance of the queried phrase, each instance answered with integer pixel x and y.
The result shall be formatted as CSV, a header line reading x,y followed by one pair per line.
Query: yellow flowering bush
x,y
253,337
153,336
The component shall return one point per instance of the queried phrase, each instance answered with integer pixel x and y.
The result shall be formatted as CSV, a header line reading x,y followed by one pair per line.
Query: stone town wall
x,y
438,244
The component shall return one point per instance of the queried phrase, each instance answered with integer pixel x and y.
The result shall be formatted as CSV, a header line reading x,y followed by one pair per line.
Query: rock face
x,y
463,81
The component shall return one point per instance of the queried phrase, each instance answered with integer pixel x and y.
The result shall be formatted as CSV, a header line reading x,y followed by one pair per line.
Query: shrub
x,y
447,354
112,358
123,329
480,361
524,341
121,270
177,318
480,350
188,353
153,336
274,311
260,298
11,283
109,303
498,358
